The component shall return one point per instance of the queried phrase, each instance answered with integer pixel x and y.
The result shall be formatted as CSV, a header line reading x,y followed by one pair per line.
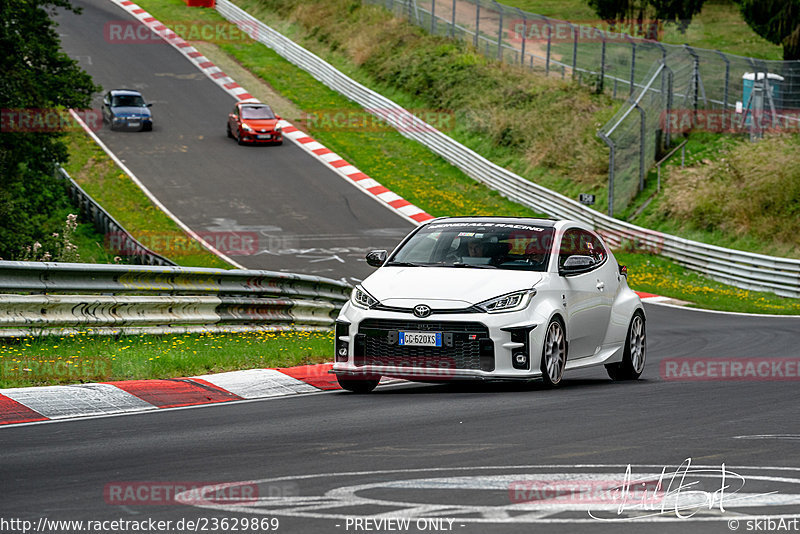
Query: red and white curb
x,y
657,299
47,403
327,157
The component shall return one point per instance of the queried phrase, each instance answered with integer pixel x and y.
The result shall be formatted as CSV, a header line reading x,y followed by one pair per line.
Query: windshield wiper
x,y
472,265
405,264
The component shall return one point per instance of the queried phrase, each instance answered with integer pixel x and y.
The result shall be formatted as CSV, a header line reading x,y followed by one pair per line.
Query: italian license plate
x,y
264,136
420,339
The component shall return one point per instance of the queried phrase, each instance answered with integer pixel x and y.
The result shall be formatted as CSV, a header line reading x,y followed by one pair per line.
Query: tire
x,y
228,130
633,359
239,139
358,385
554,354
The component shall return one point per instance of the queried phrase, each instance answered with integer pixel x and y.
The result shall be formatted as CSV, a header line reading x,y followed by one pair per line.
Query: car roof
x,y
131,92
548,223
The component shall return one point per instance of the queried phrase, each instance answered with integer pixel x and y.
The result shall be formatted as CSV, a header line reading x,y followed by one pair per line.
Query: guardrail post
x,y
725,89
499,32
667,104
601,82
574,49
633,63
477,21
453,25
642,135
433,17
611,157
524,35
549,46
695,80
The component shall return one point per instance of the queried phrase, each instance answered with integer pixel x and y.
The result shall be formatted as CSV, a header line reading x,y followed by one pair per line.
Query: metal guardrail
x,y
55,298
109,227
741,269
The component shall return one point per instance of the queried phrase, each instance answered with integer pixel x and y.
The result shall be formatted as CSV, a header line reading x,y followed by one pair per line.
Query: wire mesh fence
x,y
670,89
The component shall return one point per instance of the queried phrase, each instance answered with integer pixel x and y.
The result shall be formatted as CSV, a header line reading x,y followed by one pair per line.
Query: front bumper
x,y
132,123
259,138
475,346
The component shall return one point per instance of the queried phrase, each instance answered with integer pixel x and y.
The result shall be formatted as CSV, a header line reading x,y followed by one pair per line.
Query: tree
x,y
642,17
36,76
777,21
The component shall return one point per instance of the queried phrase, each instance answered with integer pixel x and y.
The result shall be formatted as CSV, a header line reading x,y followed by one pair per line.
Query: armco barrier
x,y
108,225
741,269
54,298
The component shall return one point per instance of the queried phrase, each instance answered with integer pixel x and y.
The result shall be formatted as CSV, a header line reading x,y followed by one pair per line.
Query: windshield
x,y
478,245
128,101
255,113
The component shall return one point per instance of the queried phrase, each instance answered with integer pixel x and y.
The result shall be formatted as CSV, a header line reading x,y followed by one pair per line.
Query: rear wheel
x,y
358,385
632,364
228,130
554,354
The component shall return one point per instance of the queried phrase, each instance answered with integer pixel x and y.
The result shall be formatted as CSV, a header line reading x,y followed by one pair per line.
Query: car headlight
x,y
278,129
246,128
361,299
509,302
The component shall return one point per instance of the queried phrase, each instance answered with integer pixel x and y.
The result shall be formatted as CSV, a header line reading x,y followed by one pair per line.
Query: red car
x,y
253,122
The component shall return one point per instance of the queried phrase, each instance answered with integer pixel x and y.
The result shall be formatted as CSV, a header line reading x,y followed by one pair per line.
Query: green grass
x,y
719,26
82,358
97,174
410,175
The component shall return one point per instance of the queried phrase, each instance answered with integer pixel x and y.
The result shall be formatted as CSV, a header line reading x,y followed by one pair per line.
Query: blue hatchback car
x,y
126,109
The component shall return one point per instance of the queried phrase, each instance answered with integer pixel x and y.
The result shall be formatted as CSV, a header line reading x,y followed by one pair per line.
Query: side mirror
x,y
149,105
577,264
278,117
376,258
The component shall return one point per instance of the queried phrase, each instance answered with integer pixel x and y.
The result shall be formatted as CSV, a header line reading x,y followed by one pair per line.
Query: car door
x,y
107,107
589,295
233,121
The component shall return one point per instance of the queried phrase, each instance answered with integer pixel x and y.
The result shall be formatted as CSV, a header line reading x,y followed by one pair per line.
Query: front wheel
x,y
358,385
554,354
632,364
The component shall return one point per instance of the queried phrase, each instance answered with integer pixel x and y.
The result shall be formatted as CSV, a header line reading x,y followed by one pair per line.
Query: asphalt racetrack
x,y
457,457
304,217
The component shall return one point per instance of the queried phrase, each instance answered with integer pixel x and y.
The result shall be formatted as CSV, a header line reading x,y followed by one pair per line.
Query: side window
x,y
235,111
583,243
596,248
570,244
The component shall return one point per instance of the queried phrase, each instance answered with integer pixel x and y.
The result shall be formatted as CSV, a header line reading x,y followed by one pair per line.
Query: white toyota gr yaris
x,y
495,298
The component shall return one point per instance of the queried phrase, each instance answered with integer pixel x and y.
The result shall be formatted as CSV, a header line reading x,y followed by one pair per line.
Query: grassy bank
x,y
97,174
85,358
387,158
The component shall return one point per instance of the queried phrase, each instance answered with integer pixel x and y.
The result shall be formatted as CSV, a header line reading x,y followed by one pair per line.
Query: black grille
x,y
465,345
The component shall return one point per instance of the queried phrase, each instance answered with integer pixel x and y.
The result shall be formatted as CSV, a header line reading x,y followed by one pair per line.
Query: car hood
x,y
261,124
127,111
444,287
